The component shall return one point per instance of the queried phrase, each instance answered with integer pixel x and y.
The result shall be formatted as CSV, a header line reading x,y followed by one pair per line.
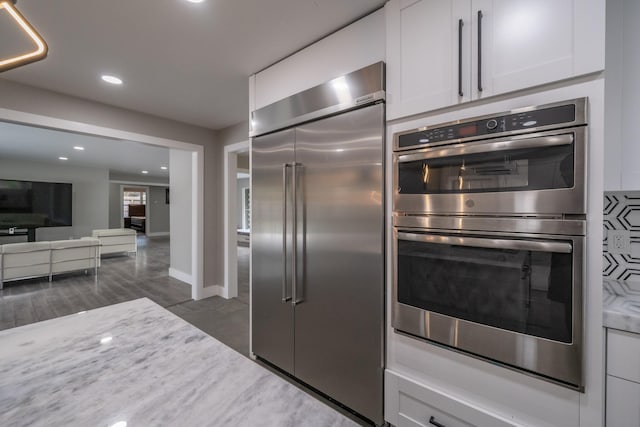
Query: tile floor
x,y
225,320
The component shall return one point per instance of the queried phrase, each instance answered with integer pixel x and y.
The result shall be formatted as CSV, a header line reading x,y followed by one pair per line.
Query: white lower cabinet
x,y
623,379
410,404
623,403
416,413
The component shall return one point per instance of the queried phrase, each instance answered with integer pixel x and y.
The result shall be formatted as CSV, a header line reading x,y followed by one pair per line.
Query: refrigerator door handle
x,y
297,272
285,294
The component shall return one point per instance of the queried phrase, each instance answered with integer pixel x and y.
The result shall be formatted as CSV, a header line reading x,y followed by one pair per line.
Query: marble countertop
x,y
136,364
621,302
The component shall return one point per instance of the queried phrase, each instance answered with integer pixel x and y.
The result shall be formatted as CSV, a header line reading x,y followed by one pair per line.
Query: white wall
x,y
243,162
356,46
114,205
614,72
158,211
180,164
90,194
630,110
136,178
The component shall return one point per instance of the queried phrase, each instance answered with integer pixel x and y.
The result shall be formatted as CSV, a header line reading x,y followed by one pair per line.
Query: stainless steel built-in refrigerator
x,y
317,245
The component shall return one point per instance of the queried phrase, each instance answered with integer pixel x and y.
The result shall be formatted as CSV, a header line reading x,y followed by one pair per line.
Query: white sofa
x,y
38,259
115,240
25,260
71,255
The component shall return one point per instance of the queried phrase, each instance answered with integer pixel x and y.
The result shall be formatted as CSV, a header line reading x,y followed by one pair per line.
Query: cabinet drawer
x,y
417,403
622,403
415,413
623,349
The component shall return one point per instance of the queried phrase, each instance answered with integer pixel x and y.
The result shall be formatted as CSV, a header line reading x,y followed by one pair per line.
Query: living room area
x,y
84,223
121,227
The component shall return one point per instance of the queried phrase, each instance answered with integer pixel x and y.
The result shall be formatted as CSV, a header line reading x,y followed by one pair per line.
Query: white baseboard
x,y
181,275
212,291
158,234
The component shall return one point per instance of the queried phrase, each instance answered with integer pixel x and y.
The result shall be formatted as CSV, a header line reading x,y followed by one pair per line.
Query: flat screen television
x,y
32,204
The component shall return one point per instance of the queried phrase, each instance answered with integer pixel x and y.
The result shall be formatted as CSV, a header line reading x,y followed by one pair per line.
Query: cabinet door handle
x,y
433,421
460,24
479,51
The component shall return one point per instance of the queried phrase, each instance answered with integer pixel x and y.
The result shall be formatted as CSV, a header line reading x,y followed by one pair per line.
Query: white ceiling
x,y
180,60
45,145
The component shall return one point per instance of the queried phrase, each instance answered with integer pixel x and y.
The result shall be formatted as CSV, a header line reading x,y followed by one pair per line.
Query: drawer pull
x,y
433,421
460,24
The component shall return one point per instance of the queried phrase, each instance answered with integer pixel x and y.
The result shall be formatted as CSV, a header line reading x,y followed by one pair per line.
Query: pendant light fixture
x,y
41,49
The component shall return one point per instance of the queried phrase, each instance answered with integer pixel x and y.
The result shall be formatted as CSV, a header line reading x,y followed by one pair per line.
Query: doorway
x,y
192,236
237,218
243,224
134,212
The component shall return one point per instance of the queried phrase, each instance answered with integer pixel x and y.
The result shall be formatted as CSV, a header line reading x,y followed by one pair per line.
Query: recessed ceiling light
x,y
164,168
145,171
111,79
106,340
195,1
63,158
77,147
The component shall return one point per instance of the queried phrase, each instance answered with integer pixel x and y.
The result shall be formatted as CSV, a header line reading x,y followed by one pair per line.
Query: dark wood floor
x,y
124,278
120,278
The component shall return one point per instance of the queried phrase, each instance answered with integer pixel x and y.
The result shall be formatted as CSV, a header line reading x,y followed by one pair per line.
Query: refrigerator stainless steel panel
x,y
340,291
318,238
352,90
271,251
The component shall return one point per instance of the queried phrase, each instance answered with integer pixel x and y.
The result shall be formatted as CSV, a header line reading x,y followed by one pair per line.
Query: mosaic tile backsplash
x,y
622,212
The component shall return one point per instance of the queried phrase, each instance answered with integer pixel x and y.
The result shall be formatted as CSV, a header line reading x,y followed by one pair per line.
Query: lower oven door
x,y
508,297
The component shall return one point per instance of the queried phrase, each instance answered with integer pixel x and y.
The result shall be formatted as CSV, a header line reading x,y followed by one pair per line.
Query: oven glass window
x,y
518,290
516,170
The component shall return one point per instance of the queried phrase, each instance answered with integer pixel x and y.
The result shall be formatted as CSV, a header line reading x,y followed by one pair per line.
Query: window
x,y
133,197
246,208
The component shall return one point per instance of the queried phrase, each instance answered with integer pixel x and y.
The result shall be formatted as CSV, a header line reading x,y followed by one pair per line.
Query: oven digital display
x,y
468,130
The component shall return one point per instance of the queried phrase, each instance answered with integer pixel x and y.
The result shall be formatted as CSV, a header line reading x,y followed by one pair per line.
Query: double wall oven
x,y
489,237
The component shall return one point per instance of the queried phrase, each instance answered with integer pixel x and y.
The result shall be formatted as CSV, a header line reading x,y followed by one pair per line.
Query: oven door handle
x,y
481,242
512,144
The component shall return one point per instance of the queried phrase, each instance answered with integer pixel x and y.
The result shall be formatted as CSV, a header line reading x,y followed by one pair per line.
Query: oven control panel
x,y
489,127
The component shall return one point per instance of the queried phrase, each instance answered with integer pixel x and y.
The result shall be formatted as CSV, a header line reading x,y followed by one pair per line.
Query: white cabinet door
x,y
423,49
412,404
623,349
630,107
623,403
527,43
505,45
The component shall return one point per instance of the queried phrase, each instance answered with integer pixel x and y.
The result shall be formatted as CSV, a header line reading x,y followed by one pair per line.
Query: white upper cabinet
x,y
503,46
622,96
523,43
424,43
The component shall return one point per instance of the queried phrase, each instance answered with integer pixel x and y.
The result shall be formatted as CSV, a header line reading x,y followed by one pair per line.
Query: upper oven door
x,y
534,174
